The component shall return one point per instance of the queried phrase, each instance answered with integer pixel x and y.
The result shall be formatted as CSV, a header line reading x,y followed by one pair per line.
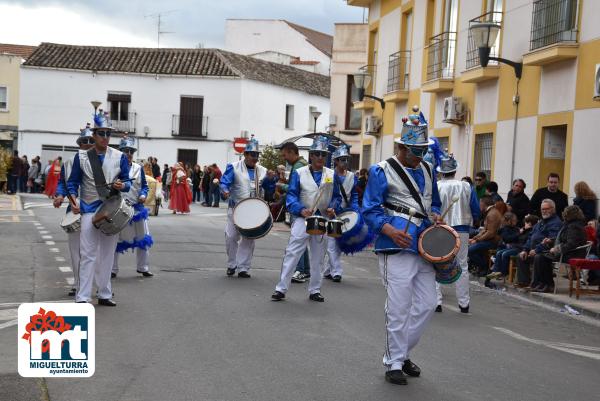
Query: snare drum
x,y
114,214
316,225
439,244
252,218
334,228
356,235
71,223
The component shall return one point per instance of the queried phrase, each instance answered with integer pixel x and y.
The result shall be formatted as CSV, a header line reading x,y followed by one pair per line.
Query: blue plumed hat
x,y
341,151
84,133
414,130
448,164
102,121
320,144
252,145
127,142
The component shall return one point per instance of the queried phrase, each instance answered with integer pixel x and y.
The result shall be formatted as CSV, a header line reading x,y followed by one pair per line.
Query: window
x,y
3,98
483,154
119,106
311,119
191,110
289,116
353,116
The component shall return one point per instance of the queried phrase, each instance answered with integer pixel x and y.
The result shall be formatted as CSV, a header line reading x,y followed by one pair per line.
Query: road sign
x,y
239,144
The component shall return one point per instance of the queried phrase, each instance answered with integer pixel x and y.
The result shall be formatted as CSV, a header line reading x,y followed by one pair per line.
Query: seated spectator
x,y
513,241
551,192
518,201
539,242
571,236
487,238
491,189
586,199
480,184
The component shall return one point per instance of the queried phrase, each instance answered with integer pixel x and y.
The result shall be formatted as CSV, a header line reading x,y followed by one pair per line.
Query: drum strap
x,y
343,191
99,179
413,191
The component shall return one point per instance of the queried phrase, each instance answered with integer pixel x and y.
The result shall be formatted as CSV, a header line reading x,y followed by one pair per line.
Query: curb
x,y
538,299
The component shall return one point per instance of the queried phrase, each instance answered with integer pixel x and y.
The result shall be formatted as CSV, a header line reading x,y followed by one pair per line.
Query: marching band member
x,y
346,181
460,216
85,141
136,234
238,183
96,249
395,186
307,185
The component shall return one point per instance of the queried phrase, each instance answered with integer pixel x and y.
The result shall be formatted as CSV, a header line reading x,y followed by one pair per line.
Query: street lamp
x,y
361,81
316,114
484,36
96,104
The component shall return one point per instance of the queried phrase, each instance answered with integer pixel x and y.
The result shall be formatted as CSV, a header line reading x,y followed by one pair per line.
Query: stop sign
x,y
239,144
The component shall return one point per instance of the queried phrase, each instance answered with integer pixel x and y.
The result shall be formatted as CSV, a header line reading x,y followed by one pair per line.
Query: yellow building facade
x,y
9,98
420,52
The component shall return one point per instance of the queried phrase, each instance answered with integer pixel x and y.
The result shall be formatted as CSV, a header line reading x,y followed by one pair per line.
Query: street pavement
x,y
191,333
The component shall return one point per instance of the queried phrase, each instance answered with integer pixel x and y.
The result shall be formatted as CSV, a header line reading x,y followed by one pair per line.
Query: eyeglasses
x,y
343,159
319,154
103,134
477,179
418,151
128,151
86,141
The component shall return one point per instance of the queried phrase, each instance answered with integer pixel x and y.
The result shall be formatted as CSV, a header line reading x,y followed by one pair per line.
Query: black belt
x,y
403,210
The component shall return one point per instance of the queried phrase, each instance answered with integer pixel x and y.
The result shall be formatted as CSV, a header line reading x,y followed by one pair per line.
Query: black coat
x,y
519,205
588,207
571,235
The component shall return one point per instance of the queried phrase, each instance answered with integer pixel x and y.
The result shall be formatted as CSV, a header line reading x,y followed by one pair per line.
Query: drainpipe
x,y
516,101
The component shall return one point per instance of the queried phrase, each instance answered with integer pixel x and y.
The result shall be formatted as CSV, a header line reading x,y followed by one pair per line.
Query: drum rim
x,y
439,259
268,221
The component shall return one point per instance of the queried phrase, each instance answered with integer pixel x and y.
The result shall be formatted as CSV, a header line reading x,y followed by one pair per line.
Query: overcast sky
x,y
130,22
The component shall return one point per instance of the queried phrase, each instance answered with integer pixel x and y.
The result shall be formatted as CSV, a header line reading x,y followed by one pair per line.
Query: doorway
x,y
187,156
553,150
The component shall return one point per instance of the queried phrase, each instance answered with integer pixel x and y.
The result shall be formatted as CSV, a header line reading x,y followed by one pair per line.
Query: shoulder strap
x,y
413,191
342,190
99,178
428,168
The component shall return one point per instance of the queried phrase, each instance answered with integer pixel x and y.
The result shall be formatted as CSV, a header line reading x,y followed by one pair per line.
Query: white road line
x,y
56,250
6,314
564,347
41,227
37,223
44,232
59,258
50,243
65,269
70,280
46,236
8,324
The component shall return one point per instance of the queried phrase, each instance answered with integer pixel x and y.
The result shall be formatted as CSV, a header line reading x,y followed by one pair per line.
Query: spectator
x,y
4,167
53,177
196,180
571,236
586,199
32,175
539,241
215,189
269,183
491,189
487,238
206,185
480,184
166,181
363,176
513,240
23,174
181,196
14,173
552,192
467,179
155,167
518,201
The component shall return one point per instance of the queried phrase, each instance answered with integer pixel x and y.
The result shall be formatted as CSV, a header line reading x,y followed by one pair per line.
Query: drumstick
x,y
411,212
454,200
111,184
318,198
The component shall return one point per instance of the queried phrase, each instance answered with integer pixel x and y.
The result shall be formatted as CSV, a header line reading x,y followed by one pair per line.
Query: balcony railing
x,y
553,21
189,126
398,71
125,122
441,51
472,51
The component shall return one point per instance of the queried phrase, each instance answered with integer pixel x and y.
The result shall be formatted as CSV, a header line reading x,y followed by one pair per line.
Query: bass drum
x,y
114,214
252,218
356,235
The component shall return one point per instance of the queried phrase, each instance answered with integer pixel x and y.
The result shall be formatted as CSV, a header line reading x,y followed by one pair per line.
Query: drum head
x,y
70,218
250,213
438,242
349,218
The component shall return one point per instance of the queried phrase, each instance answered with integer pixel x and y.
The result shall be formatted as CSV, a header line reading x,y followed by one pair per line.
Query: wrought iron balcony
x,y
189,126
553,21
124,122
472,51
398,71
441,51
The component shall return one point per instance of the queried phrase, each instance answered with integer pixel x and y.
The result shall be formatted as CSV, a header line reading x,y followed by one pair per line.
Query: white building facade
x,y
175,117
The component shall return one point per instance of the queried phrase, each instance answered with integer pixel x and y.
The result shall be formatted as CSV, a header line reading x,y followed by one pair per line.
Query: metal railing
x,y
398,71
472,51
553,21
125,122
189,126
441,51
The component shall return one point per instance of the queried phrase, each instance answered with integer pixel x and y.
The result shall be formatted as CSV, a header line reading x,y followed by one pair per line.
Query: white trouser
x,y
96,250
334,258
410,284
462,284
74,239
239,251
132,232
299,240
141,259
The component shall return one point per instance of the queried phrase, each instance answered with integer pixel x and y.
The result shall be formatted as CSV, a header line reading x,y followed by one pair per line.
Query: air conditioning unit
x,y
244,134
453,110
372,125
597,83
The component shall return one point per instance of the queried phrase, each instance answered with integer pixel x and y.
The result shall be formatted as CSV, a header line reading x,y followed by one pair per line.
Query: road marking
x,y
46,236
574,349
53,250
37,223
8,314
44,232
70,280
59,258
8,324
41,227
50,243
64,269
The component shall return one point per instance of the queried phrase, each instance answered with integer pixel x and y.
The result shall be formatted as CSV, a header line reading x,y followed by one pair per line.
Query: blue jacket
x,y
545,228
292,200
352,196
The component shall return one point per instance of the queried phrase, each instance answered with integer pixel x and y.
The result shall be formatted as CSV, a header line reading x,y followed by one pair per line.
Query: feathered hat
x,y
252,145
84,133
320,144
102,121
414,130
127,142
341,151
448,164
